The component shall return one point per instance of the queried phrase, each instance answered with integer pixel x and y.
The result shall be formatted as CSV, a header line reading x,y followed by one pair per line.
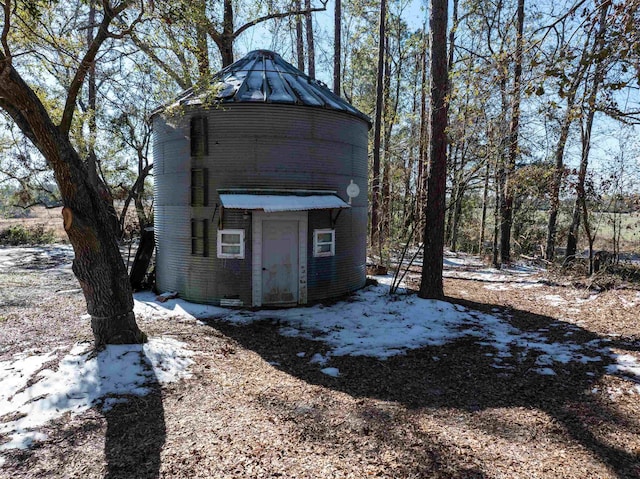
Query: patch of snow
x,y
373,323
554,299
590,298
625,364
35,396
497,287
148,307
333,372
626,304
58,256
530,285
318,359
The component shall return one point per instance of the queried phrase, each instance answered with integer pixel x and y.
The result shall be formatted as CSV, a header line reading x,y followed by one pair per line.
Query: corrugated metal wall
x,y
258,146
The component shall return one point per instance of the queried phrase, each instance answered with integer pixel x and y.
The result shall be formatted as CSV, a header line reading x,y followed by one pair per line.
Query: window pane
x,y
226,249
325,237
230,238
324,248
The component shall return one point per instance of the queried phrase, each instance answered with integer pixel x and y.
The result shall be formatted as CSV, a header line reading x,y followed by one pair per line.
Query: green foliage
x,y
22,235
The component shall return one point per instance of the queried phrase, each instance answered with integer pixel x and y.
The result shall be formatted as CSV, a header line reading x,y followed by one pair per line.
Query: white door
x,y
280,268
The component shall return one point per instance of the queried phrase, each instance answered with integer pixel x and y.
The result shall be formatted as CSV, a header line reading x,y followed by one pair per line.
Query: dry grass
x,y
50,218
254,409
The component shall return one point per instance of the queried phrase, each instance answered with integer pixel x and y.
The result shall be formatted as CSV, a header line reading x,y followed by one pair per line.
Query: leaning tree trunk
x,y
98,264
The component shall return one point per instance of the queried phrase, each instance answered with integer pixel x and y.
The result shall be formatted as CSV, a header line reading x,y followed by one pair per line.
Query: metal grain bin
x,y
256,189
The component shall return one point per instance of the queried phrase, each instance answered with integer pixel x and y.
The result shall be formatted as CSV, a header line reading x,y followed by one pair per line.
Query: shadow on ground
x,y
462,376
136,432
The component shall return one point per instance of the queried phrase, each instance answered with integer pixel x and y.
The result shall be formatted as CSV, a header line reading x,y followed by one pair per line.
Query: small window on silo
x,y
231,244
199,136
200,237
324,242
199,187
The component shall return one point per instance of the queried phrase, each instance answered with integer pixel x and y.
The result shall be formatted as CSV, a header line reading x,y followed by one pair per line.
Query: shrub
x,y
20,235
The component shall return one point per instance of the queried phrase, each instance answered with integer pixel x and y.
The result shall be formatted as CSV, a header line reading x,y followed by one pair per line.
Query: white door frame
x,y
302,217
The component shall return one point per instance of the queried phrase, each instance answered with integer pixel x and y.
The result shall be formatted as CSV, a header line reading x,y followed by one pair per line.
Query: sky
x,y
37,387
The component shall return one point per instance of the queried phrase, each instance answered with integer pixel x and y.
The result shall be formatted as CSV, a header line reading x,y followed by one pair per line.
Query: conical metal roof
x,y
262,76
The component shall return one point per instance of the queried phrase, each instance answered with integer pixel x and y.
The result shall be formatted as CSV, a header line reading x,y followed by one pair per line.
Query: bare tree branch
x,y
272,16
6,7
161,63
88,59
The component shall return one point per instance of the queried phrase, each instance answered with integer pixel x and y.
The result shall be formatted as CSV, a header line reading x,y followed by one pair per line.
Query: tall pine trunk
x,y
377,131
431,285
337,47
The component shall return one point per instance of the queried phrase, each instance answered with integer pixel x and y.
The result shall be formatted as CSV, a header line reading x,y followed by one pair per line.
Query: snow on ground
x,y
28,257
147,306
370,323
33,392
373,323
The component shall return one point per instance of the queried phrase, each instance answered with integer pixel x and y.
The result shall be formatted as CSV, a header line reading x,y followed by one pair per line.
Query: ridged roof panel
x,y
262,76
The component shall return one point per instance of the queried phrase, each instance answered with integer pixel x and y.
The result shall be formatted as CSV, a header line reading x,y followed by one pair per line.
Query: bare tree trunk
x,y
202,44
431,285
92,104
415,128
227,36
558,173
92,160
452,35
299,38
375,183
453,168
483,215
311,51
506,213
390,117
421,183
496,210
580,206
337,47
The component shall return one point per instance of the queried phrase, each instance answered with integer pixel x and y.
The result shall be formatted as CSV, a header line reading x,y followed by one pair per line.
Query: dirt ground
x,y
253,410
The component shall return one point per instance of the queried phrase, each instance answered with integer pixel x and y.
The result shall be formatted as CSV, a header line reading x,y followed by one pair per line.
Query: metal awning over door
x,y
274,202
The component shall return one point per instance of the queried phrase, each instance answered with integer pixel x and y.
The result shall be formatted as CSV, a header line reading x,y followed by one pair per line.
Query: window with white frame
x,y
324,242
231,244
